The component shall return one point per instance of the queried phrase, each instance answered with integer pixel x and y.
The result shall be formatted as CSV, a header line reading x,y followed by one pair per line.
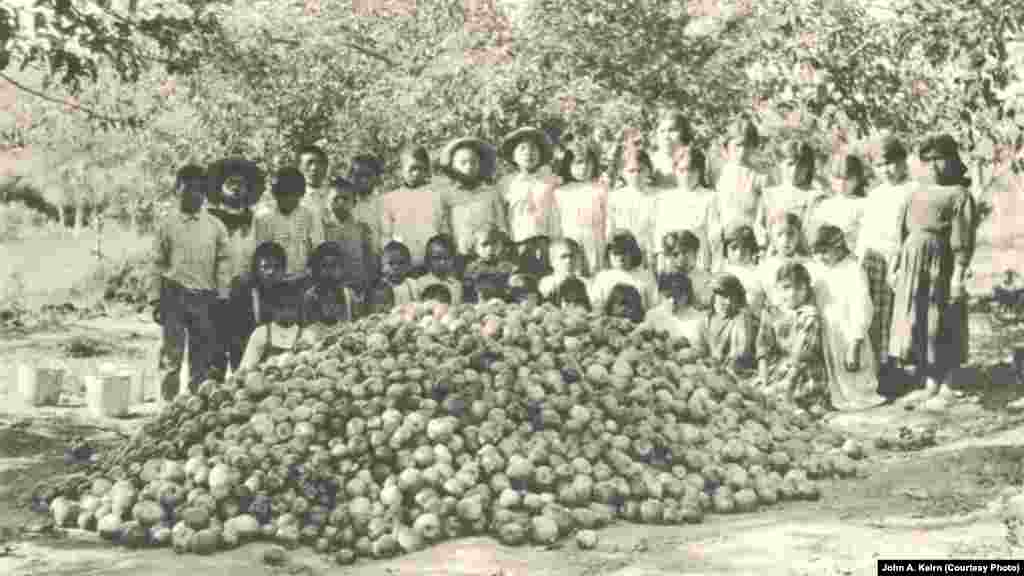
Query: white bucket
x,y
40,385
109,392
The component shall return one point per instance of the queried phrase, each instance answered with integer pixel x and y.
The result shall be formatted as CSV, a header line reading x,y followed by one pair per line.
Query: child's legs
x,y
202,341
172,346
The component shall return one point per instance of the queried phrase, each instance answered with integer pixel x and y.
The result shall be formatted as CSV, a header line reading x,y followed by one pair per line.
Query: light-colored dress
x,y
641,279
693,210
786,198
583,208
841,293
841,211
531,206
740,200
462,211
631,209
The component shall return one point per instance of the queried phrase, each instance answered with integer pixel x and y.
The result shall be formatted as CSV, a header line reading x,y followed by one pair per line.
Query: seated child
x,y
329,301
680,251
625,301
267,268
439,293
741,261
625,267
566,257
522,288
676,315
439,262
789,354
394,287
572,292
282,325
729,327
490,270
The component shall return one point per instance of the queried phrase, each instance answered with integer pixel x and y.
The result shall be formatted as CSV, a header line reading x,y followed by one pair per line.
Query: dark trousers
x,y
230,337
185,312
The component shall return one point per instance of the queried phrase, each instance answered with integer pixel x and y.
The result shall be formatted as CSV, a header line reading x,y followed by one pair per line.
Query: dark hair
x,y
829,237
438,292
632,153
677,286
190,172
271,250
573,291
729,286
314,150
396,246
743,234
803,171
529,287
366,159
575,249
439,240
680,241
323,250
416,153
788,220
623,242
679,121
745,130
628,295
699,161
580,149
794,272
945,150
533,256
490,286
852,166
286,178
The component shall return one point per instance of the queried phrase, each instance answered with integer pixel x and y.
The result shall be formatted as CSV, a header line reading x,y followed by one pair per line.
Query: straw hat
x,y
487,153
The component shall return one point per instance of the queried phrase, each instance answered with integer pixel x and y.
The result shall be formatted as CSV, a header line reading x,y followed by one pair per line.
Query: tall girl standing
x,y
799,188
582,203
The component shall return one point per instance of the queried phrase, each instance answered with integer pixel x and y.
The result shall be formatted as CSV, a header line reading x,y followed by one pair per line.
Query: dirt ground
x,y
933,503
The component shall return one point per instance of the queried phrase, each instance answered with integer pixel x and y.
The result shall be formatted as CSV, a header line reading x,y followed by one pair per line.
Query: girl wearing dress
x,y
680,250
789,348
630,206
844,207
689,205
582,203
468,202
626,267
938,233
740,186
841,293
799,188
529,194
729,328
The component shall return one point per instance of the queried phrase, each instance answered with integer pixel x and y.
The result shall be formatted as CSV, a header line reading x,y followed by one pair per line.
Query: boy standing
x,y
313,165
292,225
190,278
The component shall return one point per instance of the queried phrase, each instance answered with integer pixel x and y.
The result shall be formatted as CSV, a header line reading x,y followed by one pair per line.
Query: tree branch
x,y
133,121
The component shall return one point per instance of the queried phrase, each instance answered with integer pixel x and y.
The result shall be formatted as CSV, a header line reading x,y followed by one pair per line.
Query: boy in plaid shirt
x,y
190,277
295,227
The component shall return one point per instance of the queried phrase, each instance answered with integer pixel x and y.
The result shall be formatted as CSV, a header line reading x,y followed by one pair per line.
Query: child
x,y
841,292
729,328
190,278
528,194
522,288
676,314
394,286
789,348
788,245
490,270
689,205
625,258
313,164
673,136
797,193
583,202
680,251
439,293
364,176
248,293
439,262
329,301
282,324
571,293
468,202
408,213
845,207
630,206
293,226
566,258
740,185
533,256
625,301
355,239
740,256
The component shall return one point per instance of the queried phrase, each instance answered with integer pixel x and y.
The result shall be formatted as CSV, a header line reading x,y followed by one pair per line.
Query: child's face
x,y
635,174
617,260
466,163
681,165
793,294
739,253
786,240
363,177
487,250
669,135
332,269
526,155
682,260
288,201
580,168
269,270
725,306
192,195
233,188
623,307
830,256
414,173
895,172
441,261
562,261
313,168
394,267
342,204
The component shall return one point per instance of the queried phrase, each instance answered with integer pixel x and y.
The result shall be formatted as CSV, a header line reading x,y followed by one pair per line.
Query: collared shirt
x,y
880,226
299,233
192,250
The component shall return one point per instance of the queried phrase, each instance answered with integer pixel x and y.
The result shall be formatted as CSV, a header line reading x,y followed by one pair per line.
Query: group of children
x,y
768,273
